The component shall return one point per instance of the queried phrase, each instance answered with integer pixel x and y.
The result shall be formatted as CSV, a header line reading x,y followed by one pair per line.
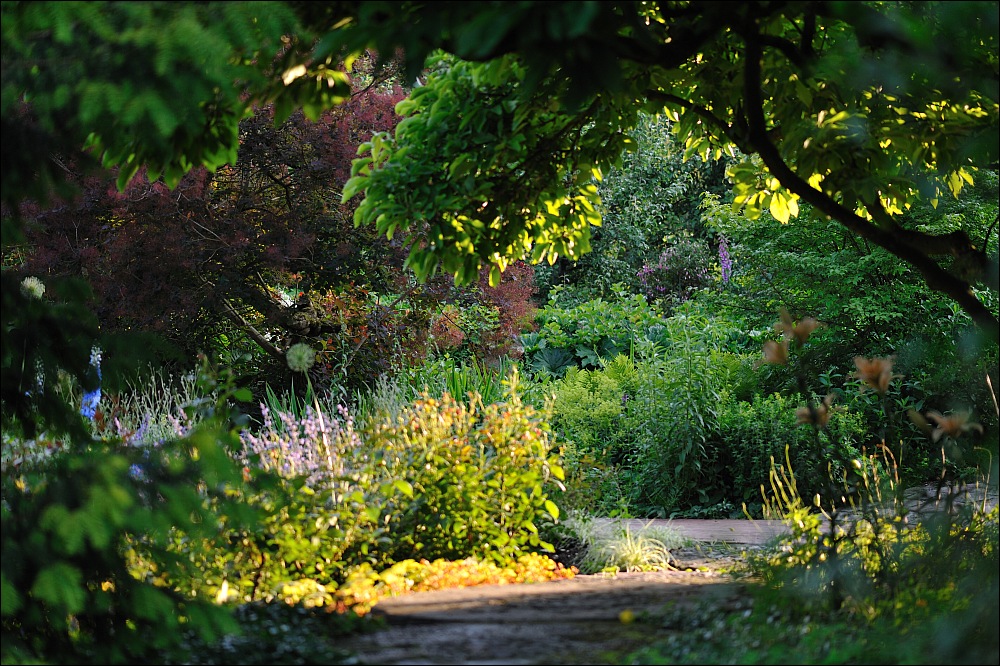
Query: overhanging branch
x,y
736,136
936,277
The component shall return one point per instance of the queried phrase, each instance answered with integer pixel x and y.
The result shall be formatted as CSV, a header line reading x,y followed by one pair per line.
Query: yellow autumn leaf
x,y
779,208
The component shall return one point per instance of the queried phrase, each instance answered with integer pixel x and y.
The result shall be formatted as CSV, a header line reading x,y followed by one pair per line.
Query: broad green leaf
x,y
553,510
404,487
10,599
60,585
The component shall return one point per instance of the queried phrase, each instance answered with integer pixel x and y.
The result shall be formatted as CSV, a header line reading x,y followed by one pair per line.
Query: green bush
x,y
671,415
587,411
435,478
317,520
464,480
636,432
587,414
749,436
88,563
594,330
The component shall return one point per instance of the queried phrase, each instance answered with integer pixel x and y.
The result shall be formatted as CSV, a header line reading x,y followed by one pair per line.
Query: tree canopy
x,y
859,109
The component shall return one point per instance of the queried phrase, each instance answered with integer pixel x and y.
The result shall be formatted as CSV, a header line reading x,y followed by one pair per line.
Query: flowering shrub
x,y
725,261
315,446
318,524
441,479
462,480
681,270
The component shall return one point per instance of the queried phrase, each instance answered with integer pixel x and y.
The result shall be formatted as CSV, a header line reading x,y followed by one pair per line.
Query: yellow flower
x,y
952,425
875,372
800,331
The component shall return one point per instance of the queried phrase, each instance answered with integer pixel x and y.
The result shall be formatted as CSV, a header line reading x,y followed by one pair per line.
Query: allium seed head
x,y
32,287
300,357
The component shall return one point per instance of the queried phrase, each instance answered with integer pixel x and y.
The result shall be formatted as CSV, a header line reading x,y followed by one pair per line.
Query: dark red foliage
x,y
513,299
221,246
262,254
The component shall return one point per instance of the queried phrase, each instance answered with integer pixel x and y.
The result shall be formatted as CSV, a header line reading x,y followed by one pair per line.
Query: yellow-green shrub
x,y
587,409
464,480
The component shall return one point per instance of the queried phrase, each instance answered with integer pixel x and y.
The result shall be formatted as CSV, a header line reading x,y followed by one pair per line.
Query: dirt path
x,y
582,620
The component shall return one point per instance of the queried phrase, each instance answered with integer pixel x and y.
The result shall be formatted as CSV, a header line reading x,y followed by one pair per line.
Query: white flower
x,y
32,287
300,357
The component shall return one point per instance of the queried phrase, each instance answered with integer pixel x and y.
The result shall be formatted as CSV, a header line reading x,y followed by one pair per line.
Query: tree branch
x,y
936,277
236,318
735,135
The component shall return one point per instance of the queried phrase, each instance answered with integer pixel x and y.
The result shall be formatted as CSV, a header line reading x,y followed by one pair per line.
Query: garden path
x,y
586,619
581,620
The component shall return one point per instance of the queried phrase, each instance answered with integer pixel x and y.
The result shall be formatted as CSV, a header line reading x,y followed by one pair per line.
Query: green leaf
x,y
779,208
553,510
60,585
10,600
152,604
125,174
404,487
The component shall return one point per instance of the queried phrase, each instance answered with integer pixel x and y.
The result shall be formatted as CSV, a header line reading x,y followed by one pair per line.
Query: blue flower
x,y
92,399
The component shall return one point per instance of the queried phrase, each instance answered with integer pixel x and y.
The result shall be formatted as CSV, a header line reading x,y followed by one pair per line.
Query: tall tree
x,y
859,109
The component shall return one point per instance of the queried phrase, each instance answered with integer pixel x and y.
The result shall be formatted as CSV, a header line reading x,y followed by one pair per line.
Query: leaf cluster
x,y
468,175
81,529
